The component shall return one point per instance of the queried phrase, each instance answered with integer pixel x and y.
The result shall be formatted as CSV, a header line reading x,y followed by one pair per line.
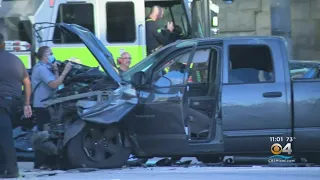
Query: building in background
x,y
298,21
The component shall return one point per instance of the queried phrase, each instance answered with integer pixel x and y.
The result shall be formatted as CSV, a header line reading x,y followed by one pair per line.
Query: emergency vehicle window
x,y
81,14
120,22
176,15
249,64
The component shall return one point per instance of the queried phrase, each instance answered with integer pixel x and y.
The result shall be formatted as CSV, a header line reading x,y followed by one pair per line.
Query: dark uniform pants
x,y
8,157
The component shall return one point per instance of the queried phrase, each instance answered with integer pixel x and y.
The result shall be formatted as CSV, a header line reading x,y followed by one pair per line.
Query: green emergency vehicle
x,y
119,24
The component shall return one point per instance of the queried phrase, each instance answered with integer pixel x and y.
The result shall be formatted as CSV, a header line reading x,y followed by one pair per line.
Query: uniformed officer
x,y
154,36
13,75
45,79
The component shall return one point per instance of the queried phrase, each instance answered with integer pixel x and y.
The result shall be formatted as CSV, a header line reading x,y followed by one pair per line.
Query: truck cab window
x,y
80,14
173,72
250,64
199,68
120,22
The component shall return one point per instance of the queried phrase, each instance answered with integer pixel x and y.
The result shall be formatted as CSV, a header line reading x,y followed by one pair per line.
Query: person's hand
x,y
170,26
27,111
55,66
67,68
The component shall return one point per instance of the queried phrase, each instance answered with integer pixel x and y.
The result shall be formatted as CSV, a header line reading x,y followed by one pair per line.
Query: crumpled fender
x,y
112,113
72,130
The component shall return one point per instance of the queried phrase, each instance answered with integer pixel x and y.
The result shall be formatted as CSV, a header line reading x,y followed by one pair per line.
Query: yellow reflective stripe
x,y
149,20
198,76
166,69
159,30
191,65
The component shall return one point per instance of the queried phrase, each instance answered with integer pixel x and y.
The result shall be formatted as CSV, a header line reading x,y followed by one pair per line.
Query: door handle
x,y
272,94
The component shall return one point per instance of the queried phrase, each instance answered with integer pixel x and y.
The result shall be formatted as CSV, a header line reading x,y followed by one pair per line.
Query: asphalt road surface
x,y
178,173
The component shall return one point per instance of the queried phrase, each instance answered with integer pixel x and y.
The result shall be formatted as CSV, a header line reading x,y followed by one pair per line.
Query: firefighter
x,y
12,75
154,36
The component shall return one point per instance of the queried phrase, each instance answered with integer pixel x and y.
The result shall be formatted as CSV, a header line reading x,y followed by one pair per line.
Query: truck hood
x,y
95,46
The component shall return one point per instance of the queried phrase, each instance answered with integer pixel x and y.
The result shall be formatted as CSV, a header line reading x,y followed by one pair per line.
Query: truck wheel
x,y
97,147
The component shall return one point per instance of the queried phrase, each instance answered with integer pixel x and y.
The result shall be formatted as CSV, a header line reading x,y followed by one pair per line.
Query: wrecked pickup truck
x,y
202,97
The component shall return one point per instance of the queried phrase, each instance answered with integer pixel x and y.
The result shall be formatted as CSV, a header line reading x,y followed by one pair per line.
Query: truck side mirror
x,y
138,79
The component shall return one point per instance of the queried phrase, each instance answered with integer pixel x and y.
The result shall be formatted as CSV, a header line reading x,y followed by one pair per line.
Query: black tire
x,y
84,153
209,159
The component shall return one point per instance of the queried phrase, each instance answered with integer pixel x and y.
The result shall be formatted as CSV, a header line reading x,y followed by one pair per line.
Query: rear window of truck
x,y
250,64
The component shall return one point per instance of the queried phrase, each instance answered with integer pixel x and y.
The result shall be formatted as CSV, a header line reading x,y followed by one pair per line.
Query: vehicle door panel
x,y
161,115
306,110
204,104
197,89
161,128
250,118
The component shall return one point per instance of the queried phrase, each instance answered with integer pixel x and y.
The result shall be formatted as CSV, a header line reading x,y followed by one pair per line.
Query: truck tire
x,y
97,147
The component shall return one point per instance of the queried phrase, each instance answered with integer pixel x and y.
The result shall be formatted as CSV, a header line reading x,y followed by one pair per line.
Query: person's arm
x,y
53,82
157,33
26,86
27,91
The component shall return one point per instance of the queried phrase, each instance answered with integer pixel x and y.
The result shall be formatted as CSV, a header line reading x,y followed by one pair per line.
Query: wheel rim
x,y
100,144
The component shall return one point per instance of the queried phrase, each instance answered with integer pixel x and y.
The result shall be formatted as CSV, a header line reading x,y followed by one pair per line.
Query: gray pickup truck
x,y
200,97
256,104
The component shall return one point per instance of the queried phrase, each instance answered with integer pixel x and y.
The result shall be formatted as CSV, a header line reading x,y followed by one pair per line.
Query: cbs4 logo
x,y
276,149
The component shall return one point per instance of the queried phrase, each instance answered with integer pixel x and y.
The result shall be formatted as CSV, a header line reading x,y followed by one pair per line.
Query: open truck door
x,y
160,119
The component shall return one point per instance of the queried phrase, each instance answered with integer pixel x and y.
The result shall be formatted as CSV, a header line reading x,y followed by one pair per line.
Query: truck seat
x,y
201,122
